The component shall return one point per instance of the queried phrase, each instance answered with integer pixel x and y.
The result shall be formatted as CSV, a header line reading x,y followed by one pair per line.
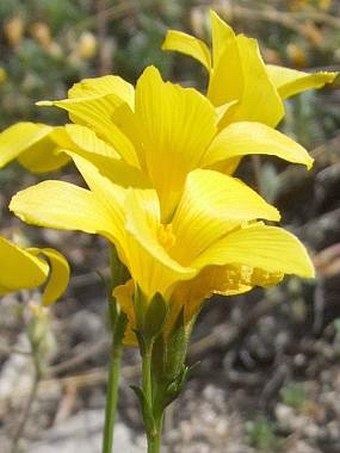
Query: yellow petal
x,y
149,263
103,86
228,167
226,280
271,249
57,204
231,280
260,100
19,268
212,205
75,137
32,145
124,295
110,197
116,170
96,112
188,45
226,81
44,157
177,125
59,274
290,81
242,138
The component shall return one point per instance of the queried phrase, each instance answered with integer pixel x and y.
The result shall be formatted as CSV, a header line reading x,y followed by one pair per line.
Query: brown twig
x,y
79,359
11,350
291,20
104,66
110,13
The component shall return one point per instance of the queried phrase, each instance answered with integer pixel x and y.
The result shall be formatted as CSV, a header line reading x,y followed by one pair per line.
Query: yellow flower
x,y
25,269
156,134
238,74
213,243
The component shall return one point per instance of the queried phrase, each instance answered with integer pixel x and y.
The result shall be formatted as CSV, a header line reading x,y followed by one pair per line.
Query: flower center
x,y
166,236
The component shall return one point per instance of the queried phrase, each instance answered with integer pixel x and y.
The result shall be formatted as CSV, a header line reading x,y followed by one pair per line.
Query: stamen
x,y
166,236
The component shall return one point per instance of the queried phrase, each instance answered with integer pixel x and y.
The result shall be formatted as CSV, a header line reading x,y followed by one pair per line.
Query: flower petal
x,y
290,81
177,125
242,138
57,204
271,249
96,112
260,100
149,263
116,170
111,197
124,295
226,80
212,205
188,45
31,143
226,280
20,269
103,86
75,137
59,274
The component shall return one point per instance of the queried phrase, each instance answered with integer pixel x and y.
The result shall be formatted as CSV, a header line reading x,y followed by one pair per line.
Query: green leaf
x,y
146,409
140,394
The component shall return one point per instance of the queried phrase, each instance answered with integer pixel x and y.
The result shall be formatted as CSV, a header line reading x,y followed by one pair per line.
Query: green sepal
x,y
155,317
168,368
119,272
140,308
176,386
141,341
177,343
159,357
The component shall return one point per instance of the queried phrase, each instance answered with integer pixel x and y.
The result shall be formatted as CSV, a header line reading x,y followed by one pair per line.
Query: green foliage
x,y
261,435
294,395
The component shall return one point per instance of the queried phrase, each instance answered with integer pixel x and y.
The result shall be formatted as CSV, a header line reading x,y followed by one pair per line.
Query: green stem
x,y
154,438
153,421
146,375
118,323
112,394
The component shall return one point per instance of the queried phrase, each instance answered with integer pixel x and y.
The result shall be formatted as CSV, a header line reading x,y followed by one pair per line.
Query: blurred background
x,y
269,377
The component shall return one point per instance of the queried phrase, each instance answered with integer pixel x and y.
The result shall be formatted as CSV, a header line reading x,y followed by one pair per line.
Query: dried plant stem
x,y
31,397
292,20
